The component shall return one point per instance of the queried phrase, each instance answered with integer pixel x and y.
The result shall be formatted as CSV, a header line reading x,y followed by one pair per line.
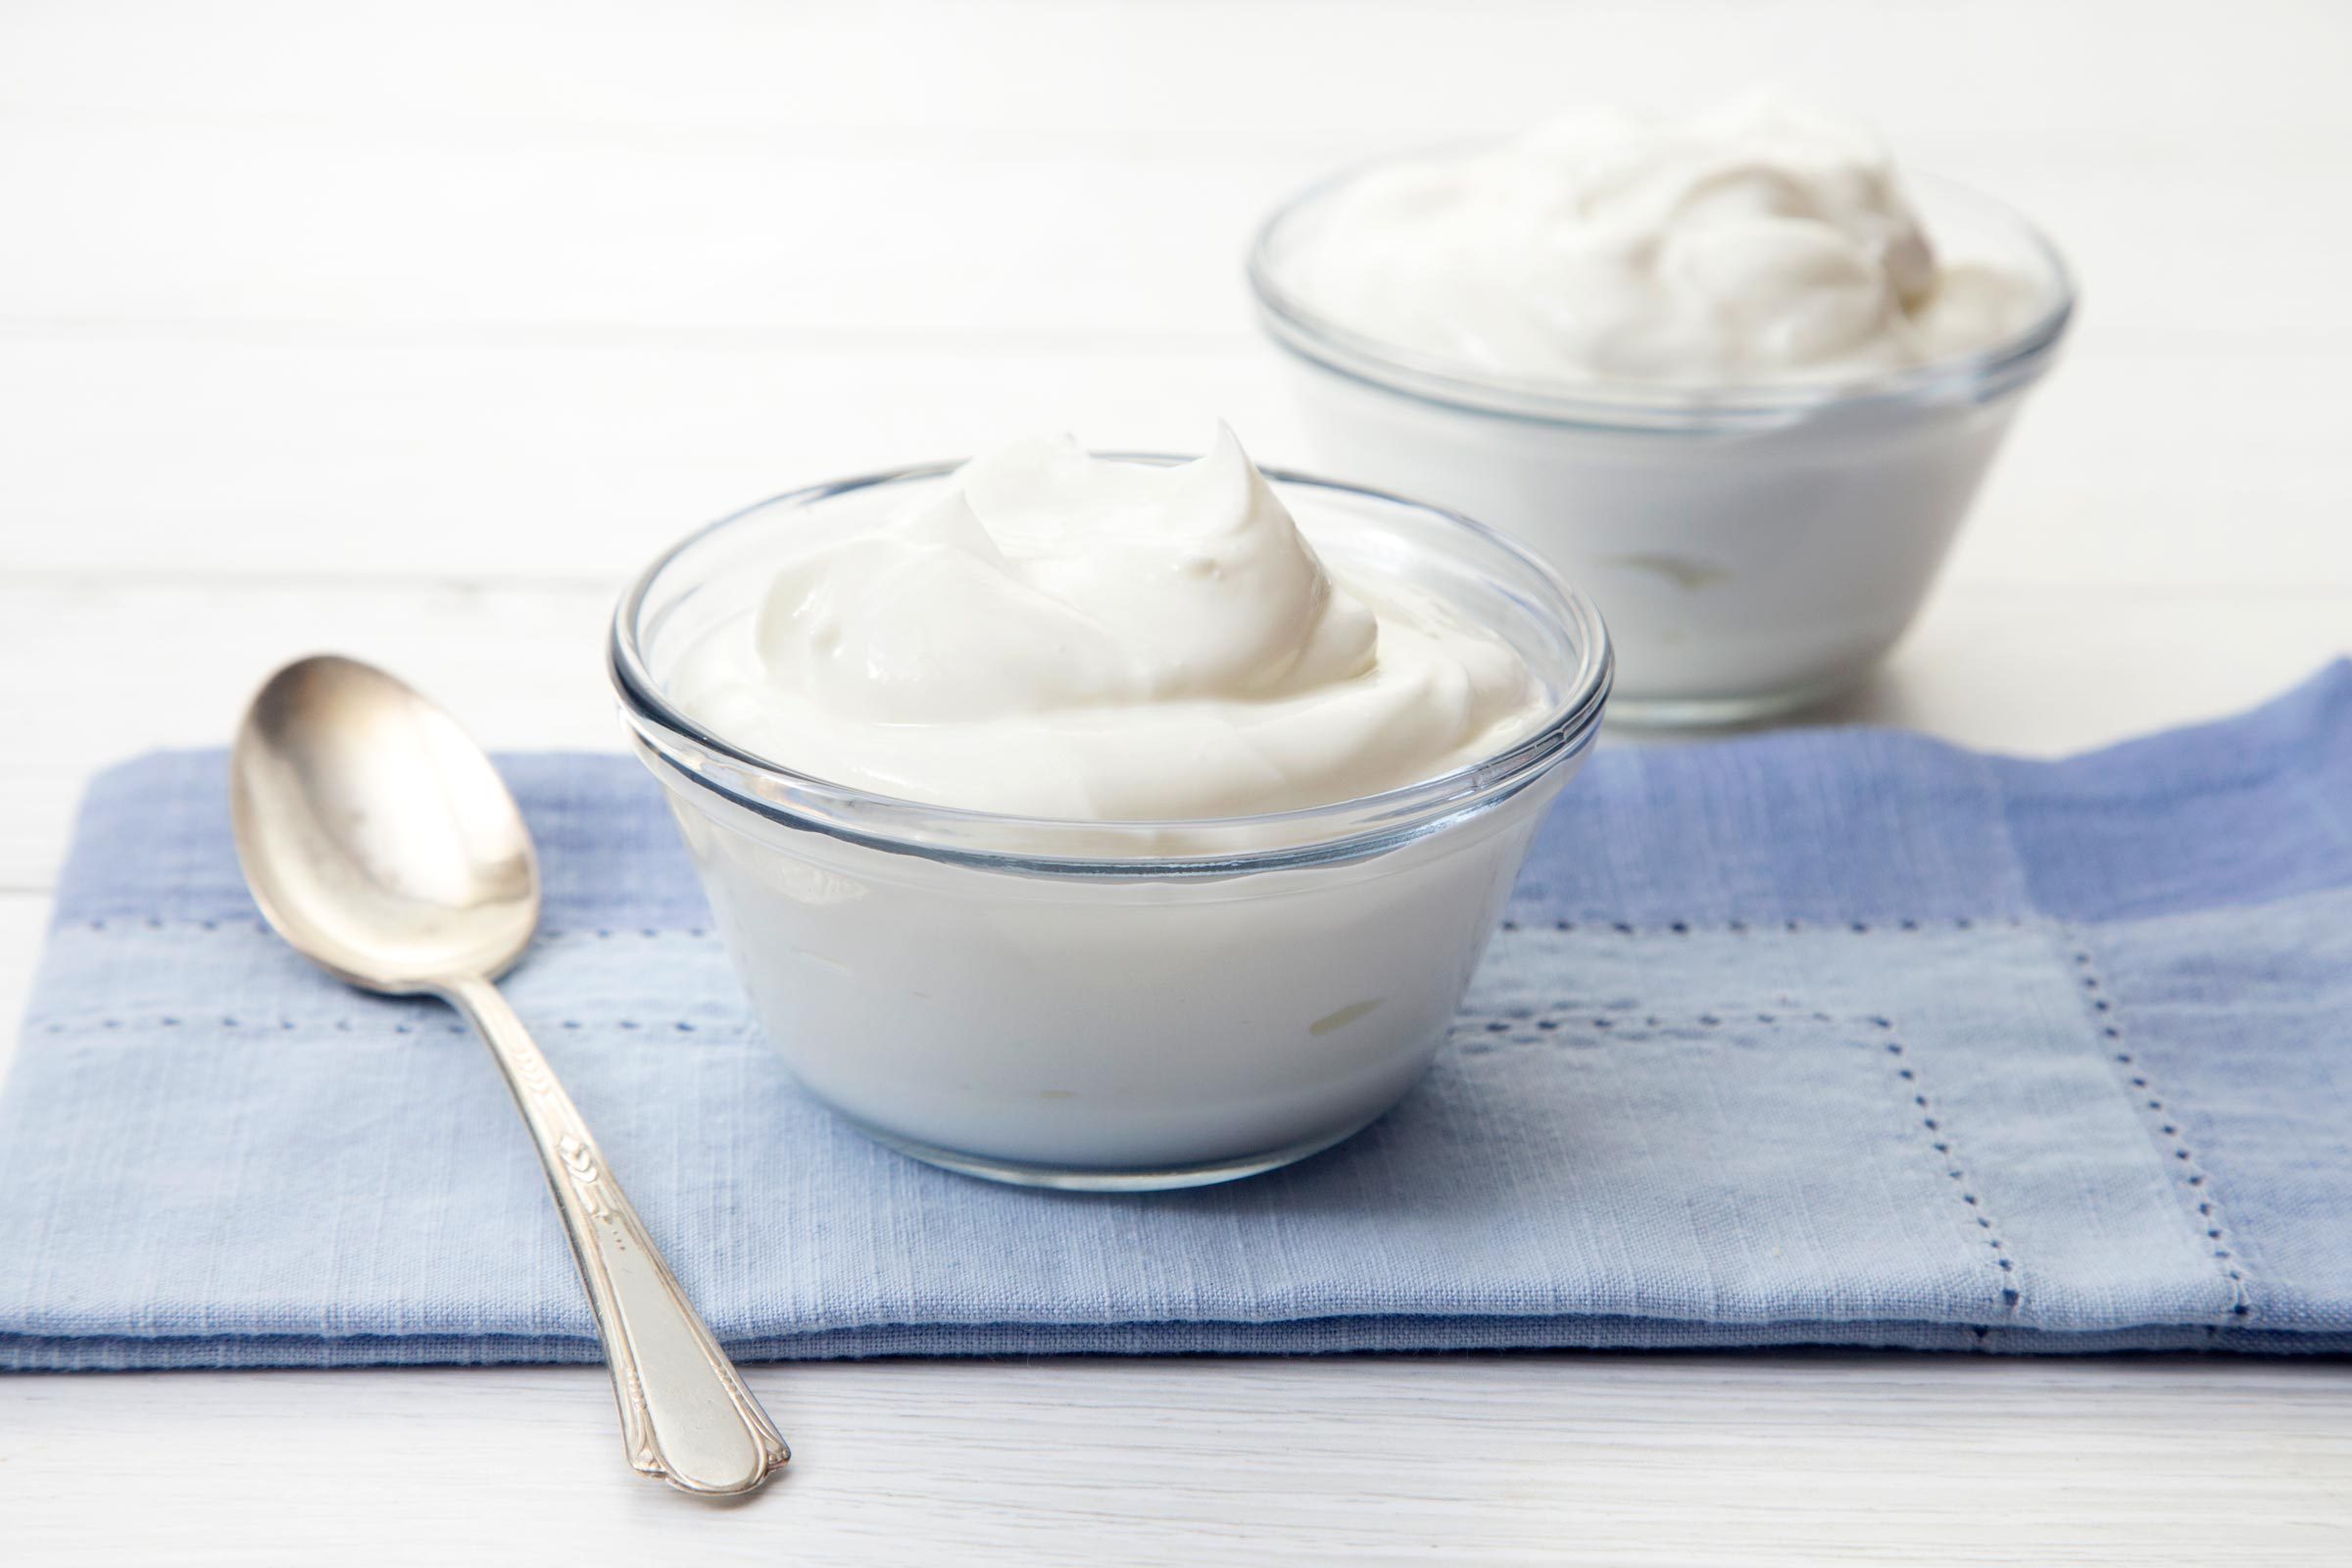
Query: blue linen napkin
x,y
1827,1038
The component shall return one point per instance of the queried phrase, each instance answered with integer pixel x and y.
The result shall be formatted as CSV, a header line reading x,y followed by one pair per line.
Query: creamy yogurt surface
x,y
1761,242
1054,634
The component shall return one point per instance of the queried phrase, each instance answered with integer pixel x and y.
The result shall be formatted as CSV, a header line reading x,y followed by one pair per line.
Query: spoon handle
x,y
685,1415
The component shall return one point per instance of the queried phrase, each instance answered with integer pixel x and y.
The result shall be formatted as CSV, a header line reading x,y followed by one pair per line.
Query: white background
x,y
407,331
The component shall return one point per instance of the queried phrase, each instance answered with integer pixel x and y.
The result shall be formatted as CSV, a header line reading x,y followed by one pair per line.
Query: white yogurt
x,y
1061,635
1726,373
1763,243
1107,1001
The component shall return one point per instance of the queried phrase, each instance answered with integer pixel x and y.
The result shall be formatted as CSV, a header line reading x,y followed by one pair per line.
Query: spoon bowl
x,y
375,834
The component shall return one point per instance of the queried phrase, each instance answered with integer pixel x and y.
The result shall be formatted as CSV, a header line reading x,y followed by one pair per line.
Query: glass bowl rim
x,y
1624,405
683,747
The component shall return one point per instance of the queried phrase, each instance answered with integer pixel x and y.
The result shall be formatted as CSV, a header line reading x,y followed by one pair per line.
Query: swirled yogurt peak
x,y
1051,633
1761,242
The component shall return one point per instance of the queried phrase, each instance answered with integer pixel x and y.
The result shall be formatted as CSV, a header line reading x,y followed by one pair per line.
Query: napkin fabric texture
x,y
1822,1038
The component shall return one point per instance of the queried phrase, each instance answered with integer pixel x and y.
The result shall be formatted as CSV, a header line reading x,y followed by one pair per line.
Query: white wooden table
x,y
409,332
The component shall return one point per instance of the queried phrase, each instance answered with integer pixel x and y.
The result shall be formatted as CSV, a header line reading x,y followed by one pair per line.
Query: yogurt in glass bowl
x,y
1106,823
1730,375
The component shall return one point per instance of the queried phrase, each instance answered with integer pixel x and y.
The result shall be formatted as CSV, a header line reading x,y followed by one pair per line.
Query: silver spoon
x,y
381,842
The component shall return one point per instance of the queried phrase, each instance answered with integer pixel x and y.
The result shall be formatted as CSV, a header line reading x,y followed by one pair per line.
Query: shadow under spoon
x,y
379,840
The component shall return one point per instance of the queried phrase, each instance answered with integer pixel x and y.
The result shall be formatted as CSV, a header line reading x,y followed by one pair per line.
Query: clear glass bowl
x,y
1757,547
1107,1004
